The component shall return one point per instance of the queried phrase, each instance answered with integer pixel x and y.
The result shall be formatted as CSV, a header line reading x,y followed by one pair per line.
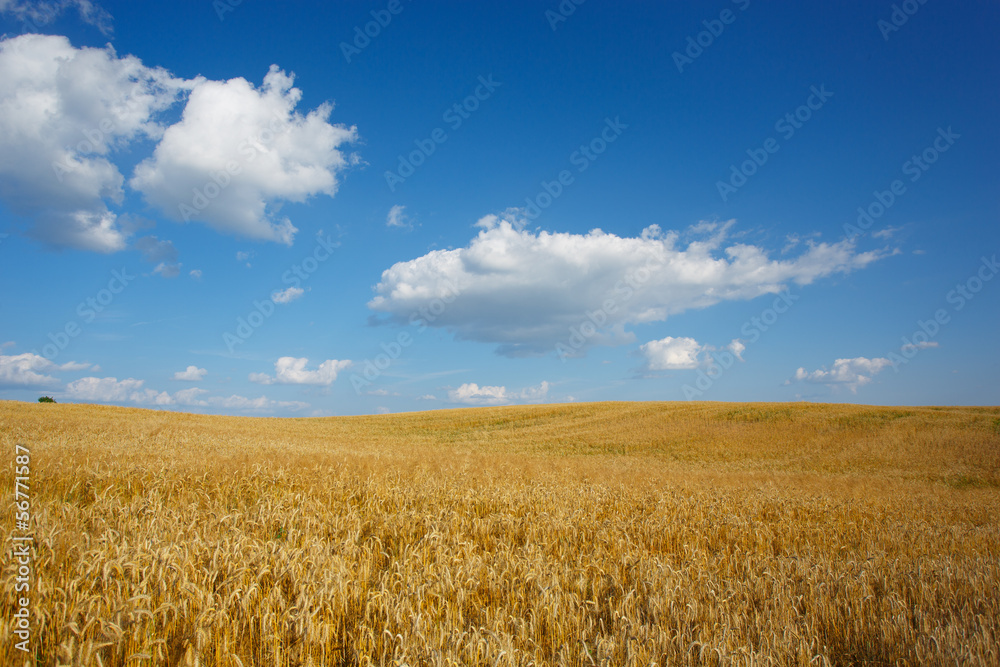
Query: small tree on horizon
x,y
46,399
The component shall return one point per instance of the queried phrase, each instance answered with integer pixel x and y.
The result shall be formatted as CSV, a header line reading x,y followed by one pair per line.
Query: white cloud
x,y
28,369
398,218
110,389
22,370
288,295
672,353
191,374
291,370
472,394
75,366
737,347
36,13
427,397
851,373
524,290
244,151
63,113
886,232
195,273
161,253
131,390
190,397
260,404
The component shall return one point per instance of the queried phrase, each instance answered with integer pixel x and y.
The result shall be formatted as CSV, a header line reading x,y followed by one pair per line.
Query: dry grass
x,y
595,534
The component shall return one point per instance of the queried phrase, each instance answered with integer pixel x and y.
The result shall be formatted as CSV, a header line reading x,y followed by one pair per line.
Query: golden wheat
x,y
594,534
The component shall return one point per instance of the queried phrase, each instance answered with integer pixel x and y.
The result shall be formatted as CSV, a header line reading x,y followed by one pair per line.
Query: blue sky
x,y
260,209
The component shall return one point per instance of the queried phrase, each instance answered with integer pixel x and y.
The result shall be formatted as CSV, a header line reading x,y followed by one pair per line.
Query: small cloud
x,y
382,410
472,394
191,374
38,13
791,241
427,397
74,366
161,253
672,353
886,232
851,373
30,370
168,270
287,295
292,370
245,256
398,218
737,347
195,274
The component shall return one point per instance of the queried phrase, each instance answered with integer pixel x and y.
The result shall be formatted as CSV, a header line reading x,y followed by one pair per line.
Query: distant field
x,y
583,534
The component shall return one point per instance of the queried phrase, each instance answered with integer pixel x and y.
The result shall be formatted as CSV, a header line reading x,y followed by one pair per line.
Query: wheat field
x,y
582,534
